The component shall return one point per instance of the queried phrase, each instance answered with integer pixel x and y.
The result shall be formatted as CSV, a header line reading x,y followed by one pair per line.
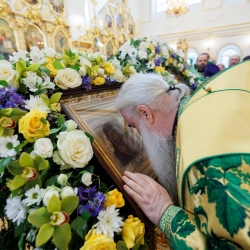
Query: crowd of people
x,y
206,68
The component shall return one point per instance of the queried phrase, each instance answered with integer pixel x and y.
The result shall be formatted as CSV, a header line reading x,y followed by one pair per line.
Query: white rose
x,y
82,71
100,71
74,148
118,76
191,80
62,179
7,73
71,125
180,66
43,147
67,191
57,159
48,194
68,78
87,178
49,52
84,62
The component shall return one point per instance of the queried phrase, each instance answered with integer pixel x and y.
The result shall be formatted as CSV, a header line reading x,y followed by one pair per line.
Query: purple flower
x,y
158,61
185,67
86,82
10,99
157,50
194,86
173,55
85,194
92,209
110,80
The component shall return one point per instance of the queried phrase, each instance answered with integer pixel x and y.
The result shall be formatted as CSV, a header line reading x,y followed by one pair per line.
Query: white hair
x,y
150,90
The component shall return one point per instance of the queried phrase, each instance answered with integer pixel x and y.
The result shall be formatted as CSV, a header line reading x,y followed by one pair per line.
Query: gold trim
x,y
33,6
53,11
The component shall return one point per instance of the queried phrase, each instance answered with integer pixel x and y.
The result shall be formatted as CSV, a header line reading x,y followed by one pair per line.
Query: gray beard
x,y
161,153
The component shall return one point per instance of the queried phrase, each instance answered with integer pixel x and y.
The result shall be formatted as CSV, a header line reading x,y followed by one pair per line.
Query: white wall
x,y
211,24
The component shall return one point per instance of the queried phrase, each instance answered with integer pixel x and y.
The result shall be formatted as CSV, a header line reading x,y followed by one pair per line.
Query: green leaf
x,y
17,114
57,65
20,229
199,211
132,41
233,178
45,233
90,137
20,242
45,70
186,229
200,185
40,163
20,66
85,214
62,236
89,169
71,53
1,130
60,120
246,158
226,162
32,183
75,67
77,226
230,214
4,83
4,162
39,217
43,120
45,99
55,98
69,204
65,58
54,130
214,190
179,220
39,91
121,245
240,194
137,244
213,173
21,145
17,182
25,160
33,67
14,193
54,204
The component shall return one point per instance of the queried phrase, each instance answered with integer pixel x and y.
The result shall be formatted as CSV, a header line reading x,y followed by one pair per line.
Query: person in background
x,y
210,70
202,62
221,66
234,59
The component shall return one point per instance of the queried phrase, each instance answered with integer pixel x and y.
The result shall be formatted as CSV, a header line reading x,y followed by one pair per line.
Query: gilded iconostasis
x,y
43,23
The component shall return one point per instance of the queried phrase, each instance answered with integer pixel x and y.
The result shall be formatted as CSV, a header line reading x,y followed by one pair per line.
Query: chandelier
x,y
177,7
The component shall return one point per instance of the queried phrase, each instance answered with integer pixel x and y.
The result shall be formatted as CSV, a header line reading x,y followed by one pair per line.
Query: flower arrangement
x,y
151,55
51,196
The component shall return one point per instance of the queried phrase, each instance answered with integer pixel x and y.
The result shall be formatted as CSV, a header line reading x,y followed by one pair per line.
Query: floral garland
x,y
151,55
50,195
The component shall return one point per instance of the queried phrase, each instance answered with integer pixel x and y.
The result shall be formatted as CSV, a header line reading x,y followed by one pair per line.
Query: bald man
x,y
234,59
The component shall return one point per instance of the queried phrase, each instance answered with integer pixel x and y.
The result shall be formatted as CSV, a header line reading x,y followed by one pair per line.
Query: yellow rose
x,y
186,72
132,230
33,126
109,68
99,81
159,69
170,60
50,67
152,48
98,242
114,197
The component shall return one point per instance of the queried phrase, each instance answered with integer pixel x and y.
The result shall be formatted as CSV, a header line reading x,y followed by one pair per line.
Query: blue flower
x,y
194,86
157,50
158,61
173,55
86,82
10,99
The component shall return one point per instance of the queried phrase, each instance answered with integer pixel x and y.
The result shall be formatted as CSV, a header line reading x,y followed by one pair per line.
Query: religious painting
x,y
108,21
60,41
31,2
96,45
131,29
120,21
121,39
7,40
109,48
57,5
33,38
116,146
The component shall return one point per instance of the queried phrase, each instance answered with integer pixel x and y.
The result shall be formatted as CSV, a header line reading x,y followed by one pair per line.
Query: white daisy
x,y
109,222
36,55
20,55
34,196
133,52
142,54
150,65
32,81
15,211
37,103
7,145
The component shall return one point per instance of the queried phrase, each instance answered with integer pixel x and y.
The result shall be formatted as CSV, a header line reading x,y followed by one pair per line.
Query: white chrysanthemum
x,y
125,48
46,84
32,81
143,46
20,55
36,55
7,145
133,52
116,63
150,65
15,211
123,55
109,222
142,54
37,103
34,196
49,52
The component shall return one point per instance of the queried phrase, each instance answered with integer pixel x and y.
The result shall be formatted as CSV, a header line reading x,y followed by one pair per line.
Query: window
x,y
192,56
226,52
162,4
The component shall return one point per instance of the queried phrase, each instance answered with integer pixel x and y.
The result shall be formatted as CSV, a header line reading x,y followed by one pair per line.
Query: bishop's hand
x,y
150,196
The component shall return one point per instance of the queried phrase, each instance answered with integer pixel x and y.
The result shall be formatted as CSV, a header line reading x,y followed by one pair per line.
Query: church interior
x,y
97,45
